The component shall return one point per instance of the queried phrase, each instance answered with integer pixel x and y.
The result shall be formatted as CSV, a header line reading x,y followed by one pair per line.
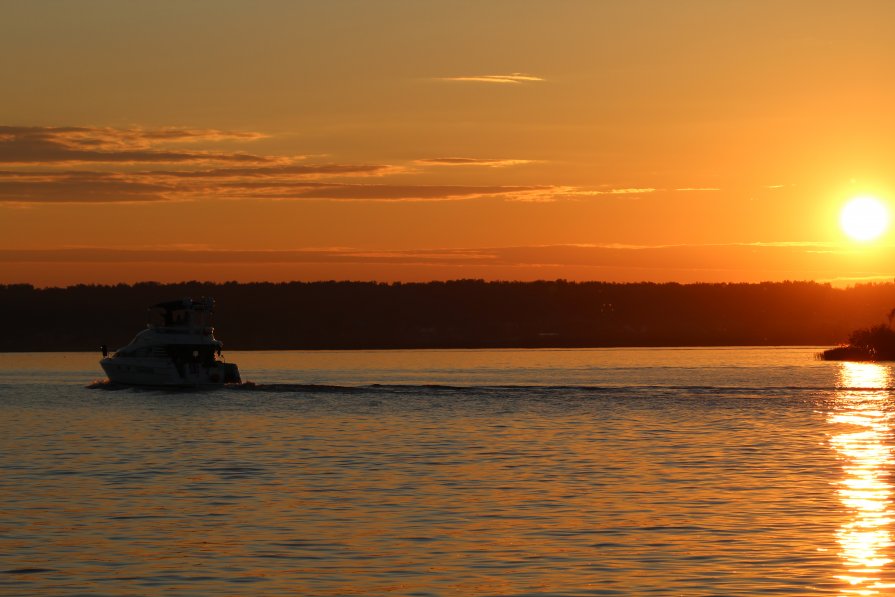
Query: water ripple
x,y
673,483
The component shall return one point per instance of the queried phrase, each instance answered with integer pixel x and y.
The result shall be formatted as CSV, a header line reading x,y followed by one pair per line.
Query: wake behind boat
x,y
177,348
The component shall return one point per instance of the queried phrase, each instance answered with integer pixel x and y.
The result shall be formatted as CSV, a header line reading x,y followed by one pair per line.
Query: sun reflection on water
x,y
865,490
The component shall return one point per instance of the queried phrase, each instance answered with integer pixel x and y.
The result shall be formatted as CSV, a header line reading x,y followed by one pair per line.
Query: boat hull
x,y
163,372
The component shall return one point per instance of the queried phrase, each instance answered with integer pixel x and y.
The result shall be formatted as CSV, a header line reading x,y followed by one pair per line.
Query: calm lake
x,y
724,471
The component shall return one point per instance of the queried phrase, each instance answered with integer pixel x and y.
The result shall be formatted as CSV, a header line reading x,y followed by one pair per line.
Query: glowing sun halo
x,y
864,218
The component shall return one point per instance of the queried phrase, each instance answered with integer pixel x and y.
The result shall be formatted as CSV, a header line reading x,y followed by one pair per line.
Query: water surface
x,y
506,472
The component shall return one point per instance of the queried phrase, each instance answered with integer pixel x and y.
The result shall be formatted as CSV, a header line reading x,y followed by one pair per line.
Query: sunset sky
x,y
627,140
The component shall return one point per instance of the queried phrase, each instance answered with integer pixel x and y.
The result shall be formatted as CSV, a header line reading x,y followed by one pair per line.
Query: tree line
x,y
452,314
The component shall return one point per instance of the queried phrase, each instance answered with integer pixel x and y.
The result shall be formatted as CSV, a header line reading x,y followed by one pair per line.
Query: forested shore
x,y
454,314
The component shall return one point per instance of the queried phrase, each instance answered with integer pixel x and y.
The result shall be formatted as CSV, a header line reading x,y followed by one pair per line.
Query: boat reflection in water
x,y
863,412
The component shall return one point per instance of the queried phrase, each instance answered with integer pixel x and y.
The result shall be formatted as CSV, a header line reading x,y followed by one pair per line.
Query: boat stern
x,y
231,373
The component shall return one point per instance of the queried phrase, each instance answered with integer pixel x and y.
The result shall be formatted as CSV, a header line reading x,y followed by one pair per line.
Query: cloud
x,y
728,263
79,187
806,244
850,280
534,255
75,145
276,183
627,191
677,263
746,262
94,164
50,165
202,255
80,190
491,163
374,192
556,193
511,79
288,171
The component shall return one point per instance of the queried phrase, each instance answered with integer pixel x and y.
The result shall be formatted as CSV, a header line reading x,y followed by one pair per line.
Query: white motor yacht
x,y
177,348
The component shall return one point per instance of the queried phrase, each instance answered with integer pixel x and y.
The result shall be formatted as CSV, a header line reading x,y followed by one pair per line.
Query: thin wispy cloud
x,y
511,79
614,262
552,194
80,189
76,145
94,187
487,162
627,191
697,257
373,192
794,243
286,171
205,255
850,280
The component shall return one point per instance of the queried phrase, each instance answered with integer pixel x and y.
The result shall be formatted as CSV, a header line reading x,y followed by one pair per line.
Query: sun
x,y
864,218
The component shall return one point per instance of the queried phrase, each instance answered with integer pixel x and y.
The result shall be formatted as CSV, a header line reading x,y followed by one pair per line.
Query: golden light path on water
x,y
865,492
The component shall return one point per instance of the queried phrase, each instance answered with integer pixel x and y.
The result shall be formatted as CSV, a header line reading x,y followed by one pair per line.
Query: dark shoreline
x,y
469,348
459,314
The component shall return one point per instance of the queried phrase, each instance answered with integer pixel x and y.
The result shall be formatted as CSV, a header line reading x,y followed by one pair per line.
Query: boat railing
x,y
179,330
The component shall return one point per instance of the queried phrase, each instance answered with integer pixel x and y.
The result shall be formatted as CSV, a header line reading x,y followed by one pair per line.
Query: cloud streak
x,y
289,171
78,145
540,255
294,183
746,262
510,79
374,192
486,162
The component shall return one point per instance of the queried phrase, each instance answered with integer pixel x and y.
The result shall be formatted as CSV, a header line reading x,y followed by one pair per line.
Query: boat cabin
x,y
185,313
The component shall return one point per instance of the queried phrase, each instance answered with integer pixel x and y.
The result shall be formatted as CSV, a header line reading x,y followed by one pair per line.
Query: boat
x,y
177,349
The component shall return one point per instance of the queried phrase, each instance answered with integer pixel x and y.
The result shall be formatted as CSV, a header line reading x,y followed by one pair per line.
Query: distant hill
x,y
460,314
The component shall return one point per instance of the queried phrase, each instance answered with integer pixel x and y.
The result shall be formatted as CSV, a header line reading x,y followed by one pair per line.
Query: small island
x,y
876,343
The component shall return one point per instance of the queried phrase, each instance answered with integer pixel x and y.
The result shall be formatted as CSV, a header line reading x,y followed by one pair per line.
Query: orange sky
x,y
405,140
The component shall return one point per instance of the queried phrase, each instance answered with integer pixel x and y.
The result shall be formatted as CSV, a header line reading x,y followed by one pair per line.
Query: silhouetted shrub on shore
x,y
844,353
875,343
